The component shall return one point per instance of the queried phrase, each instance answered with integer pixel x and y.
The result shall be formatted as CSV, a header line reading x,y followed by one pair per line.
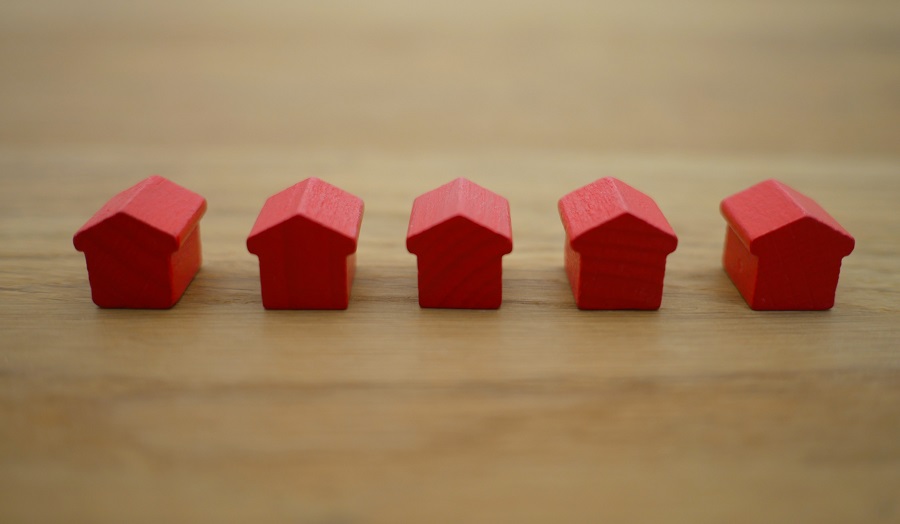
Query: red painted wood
x,y
460,232
305,238
617,241
783,251
143,246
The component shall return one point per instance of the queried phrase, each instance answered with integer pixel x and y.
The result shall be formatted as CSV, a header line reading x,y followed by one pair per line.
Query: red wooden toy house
x,y
305,238
460,232
782,250
617,241
143,246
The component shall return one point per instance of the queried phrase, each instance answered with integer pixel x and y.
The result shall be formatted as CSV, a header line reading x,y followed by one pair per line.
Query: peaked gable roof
x,y
169,211
316,201
767,210
609,202
464,199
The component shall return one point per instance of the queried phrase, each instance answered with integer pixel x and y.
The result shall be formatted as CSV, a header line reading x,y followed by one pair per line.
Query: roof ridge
x,y
792,208
459,198
456,186
134,203
798,199
303,202
621,197
135,191
300,200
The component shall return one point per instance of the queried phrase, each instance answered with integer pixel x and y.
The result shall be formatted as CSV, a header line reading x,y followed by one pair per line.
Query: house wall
x,y
299,271
741,265
617,278
184,264
470,282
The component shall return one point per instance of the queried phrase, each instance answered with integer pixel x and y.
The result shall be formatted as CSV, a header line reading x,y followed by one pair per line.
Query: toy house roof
x,y
166,211
770,210
317,202
460,199
610,205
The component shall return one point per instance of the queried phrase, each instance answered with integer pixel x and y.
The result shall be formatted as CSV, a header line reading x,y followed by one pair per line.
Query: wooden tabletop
x,y
220,411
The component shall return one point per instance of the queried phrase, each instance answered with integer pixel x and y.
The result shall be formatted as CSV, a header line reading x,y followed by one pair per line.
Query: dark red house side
x,y
143,246
460,232
783,251
617,241
306,238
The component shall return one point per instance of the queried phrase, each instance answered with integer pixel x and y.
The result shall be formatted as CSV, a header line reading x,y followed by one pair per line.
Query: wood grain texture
x,y
459,233
305,237
220,411
142,247
617,241
782,250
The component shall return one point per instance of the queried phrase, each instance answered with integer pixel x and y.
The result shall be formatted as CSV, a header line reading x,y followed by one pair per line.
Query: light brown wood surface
x,y
218,411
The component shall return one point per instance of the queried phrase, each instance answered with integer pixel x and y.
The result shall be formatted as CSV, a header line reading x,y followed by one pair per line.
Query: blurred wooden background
x,y
218,411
